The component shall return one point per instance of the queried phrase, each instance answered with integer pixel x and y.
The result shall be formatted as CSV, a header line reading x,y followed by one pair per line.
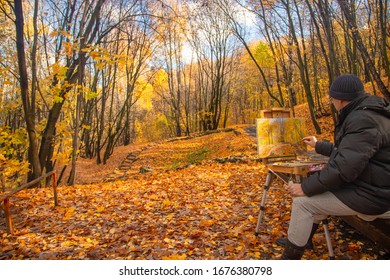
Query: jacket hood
x,y
376,104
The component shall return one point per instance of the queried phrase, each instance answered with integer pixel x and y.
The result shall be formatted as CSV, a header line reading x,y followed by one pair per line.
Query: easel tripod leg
x,y
268,182
328,239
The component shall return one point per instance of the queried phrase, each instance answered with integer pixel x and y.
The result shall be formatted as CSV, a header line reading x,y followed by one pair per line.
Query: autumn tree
x,y
62,41
28,98
216,50
169,32
119,63
234,14
348,9
282,21
40,156
316,36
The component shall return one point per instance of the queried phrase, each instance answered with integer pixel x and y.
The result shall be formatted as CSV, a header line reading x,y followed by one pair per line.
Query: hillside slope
x,y
127,161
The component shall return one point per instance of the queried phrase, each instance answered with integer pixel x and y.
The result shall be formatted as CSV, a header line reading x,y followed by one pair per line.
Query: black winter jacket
x,y
358,170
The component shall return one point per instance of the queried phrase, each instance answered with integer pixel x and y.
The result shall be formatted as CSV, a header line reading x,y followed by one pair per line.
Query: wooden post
x,y
54,178
8,220
6,197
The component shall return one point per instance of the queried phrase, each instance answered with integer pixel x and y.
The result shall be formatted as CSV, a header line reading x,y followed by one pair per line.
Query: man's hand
x,y
295,189
310,140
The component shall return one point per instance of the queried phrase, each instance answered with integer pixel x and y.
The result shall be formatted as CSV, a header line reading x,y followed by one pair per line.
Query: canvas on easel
x,y
280,138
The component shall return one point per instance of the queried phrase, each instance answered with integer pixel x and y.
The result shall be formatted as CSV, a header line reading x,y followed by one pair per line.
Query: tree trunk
x,y
28,102
363,51
303,66
383,20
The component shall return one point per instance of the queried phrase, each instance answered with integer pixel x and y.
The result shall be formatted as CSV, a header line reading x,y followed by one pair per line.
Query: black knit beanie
x,y
346,87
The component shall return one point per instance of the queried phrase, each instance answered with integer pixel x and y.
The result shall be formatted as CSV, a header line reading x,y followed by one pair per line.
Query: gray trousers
x,y
308,210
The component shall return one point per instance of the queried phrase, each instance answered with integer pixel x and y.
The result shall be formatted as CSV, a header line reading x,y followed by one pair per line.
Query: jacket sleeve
x,y
359,143
324,148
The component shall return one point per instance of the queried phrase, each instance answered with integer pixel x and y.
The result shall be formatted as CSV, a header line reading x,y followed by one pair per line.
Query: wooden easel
x,y
285,164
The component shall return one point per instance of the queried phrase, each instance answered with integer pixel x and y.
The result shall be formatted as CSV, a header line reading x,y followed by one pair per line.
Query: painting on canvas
x,y
280,137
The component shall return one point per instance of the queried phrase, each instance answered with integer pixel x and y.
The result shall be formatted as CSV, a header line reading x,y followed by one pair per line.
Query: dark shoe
x,y
282,242
292,252
309,245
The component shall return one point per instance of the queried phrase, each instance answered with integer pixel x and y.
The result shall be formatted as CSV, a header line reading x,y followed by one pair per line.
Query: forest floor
x,y
194,198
